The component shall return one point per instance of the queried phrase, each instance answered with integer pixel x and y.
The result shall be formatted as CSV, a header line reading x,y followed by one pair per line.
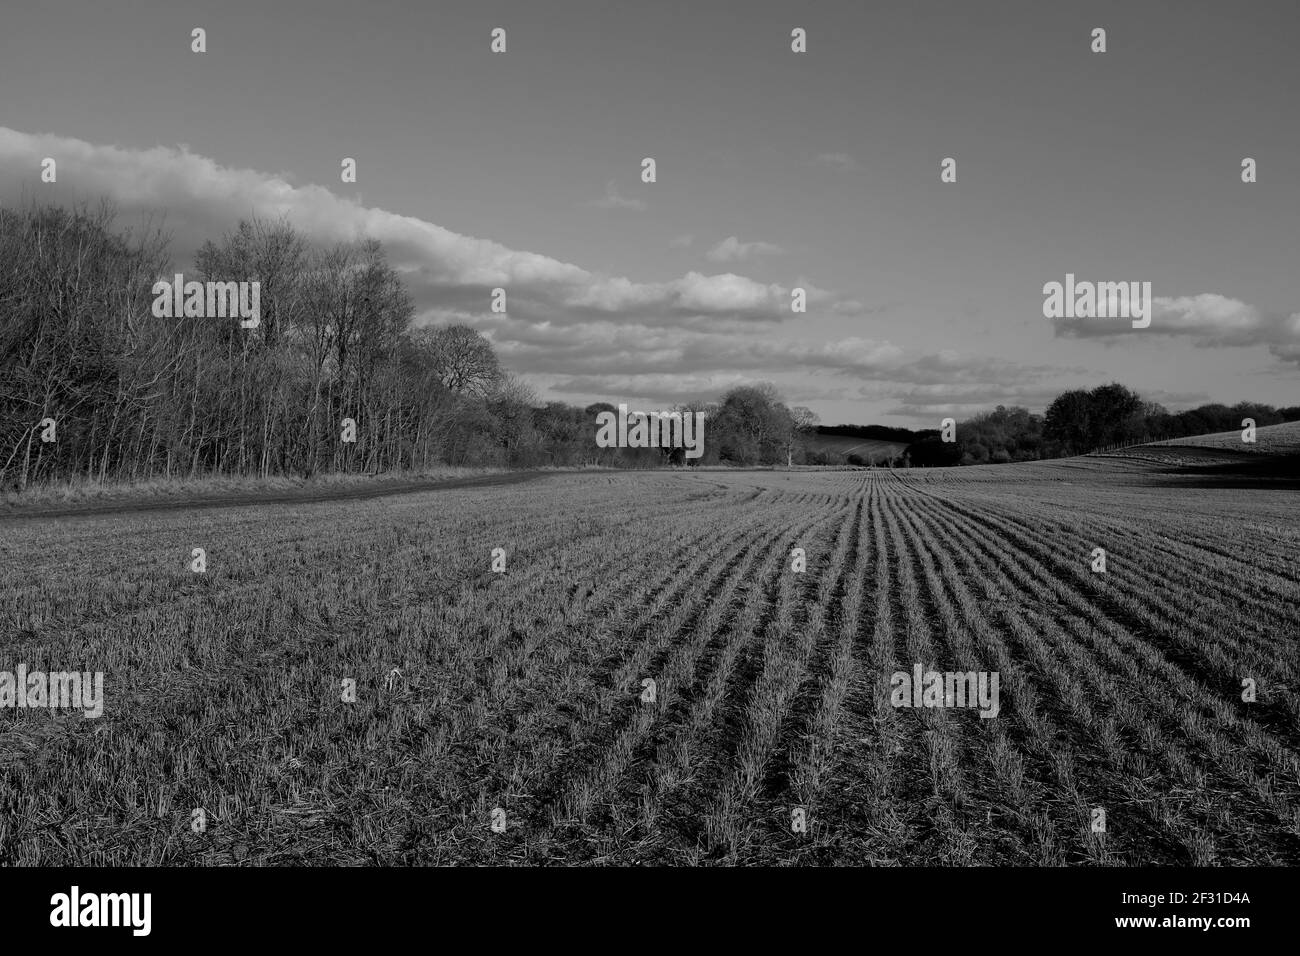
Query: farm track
x,y
771,736
259,498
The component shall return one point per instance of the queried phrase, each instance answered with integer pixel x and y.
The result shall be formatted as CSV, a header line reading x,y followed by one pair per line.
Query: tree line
x,y
93,384
337,377
1080,421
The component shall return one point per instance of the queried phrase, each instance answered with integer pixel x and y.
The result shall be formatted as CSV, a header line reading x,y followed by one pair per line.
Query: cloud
x,y
677,364
693,295
612,200
1206,320
879,371
732,249
1176,401
200,199
681,338
929,403
839,161
650,387
447,274
623,348
1287,353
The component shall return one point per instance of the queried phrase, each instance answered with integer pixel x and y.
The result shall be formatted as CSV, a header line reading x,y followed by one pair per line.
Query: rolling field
x,y
524,691
871,450
1269,440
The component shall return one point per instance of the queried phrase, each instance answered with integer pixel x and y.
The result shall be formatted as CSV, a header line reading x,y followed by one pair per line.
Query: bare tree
x,y
805,422
463,358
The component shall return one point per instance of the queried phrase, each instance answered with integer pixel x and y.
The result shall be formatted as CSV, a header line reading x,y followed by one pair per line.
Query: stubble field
x,y
499,717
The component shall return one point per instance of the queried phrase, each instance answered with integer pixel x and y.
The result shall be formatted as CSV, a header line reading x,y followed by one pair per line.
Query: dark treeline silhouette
x,y
1082,421
751,425
1111,415
903,436
93,385
133,396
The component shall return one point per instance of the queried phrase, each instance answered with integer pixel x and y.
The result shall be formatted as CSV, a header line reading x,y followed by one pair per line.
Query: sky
x,y
775,170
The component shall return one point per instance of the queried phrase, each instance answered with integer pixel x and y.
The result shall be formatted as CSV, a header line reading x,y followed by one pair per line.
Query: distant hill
x,y
870,450
1276,448
1281,439
876,432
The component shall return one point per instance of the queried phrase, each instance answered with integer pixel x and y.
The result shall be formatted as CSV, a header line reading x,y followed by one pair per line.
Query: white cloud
x,y
446,272
612,200
1207,320
732,249
690,334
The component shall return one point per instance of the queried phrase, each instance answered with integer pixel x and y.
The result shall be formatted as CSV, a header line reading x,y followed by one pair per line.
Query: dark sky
x,y
775,170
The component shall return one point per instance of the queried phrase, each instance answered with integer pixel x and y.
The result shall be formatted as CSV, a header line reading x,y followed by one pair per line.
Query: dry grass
x,y
85,491
523,690
1270,440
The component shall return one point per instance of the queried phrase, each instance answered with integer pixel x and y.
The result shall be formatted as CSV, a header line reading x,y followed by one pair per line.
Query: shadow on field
x,y
300,497
1250,471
